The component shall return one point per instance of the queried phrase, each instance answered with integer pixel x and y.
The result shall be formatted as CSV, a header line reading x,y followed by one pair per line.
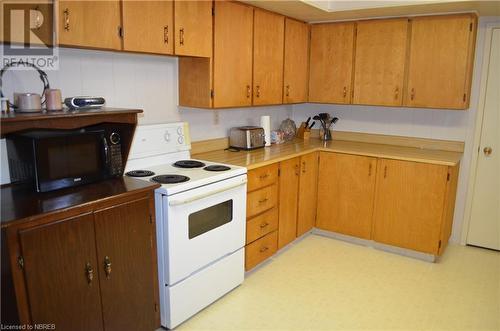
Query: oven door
x,y
203,225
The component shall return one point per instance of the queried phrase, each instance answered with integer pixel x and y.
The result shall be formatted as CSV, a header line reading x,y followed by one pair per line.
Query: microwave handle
x,y
106,150
201,196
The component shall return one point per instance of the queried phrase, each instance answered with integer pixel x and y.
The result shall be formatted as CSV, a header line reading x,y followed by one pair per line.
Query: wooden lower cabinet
x,y
413,205
346,189
288,200
95,270
260,250
308,193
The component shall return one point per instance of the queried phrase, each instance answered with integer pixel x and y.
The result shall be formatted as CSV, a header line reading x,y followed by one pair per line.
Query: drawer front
x,y
261,225
263,176
260,250
262,200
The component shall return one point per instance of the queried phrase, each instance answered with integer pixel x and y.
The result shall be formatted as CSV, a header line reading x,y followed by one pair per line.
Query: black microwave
x,y
55,159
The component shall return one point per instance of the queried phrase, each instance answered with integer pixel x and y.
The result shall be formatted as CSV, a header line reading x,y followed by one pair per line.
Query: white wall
x,y
414,122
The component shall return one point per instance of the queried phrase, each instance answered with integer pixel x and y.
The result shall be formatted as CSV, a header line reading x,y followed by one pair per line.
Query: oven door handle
x,y
201,196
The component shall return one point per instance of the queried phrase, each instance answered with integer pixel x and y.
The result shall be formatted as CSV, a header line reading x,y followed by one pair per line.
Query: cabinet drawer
x,y
261,225
262,176
262,200
260,250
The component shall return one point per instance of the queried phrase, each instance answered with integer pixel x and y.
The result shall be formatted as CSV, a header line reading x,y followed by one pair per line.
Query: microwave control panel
x,y
115,150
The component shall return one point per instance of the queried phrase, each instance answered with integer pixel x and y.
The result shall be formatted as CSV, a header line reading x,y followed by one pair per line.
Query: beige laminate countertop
x,y
276,153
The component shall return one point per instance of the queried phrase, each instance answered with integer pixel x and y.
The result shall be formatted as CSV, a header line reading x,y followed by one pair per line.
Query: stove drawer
x,y
262,200
260,250
261,225
263,176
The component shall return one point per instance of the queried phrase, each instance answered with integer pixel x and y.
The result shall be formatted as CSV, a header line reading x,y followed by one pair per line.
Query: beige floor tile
x,y
324,284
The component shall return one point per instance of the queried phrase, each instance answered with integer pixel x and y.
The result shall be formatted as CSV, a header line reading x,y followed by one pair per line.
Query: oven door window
x,y
210,218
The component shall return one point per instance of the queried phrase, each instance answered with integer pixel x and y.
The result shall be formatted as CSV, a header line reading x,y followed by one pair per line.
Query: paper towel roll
x,y
265,123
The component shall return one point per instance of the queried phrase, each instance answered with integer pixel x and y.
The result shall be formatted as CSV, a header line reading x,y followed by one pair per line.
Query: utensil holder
x,y
303,132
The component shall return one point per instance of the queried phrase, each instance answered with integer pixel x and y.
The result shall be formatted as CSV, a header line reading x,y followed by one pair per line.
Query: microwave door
x,y
69,160
204,225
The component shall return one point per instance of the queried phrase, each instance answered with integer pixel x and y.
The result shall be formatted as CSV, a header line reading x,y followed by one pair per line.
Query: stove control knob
x,y
166,136
180,140
114,138
179,131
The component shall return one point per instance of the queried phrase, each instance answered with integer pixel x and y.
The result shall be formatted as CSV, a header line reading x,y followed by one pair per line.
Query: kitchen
x,y
375,136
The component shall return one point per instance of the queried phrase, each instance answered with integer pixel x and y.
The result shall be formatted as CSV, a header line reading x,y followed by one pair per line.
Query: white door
x,y
484,229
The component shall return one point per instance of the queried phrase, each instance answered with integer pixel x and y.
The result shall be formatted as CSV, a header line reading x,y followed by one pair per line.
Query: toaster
x,y
246,137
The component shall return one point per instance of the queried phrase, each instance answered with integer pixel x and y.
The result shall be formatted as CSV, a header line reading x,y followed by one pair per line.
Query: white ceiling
x,y
334,10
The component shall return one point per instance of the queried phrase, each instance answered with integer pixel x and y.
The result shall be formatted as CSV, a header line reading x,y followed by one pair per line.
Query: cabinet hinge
x,y
439,244
151,219
20,262
120,32
213,10
156,307
448,177
465,96
212,94
470,26
279,172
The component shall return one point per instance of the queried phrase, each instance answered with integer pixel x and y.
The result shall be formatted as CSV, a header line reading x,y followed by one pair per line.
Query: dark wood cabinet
x,y
59,262
92,266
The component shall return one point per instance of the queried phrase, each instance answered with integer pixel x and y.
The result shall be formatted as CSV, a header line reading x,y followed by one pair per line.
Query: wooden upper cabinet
x,y
308,185
148,26
295,77
92,24
380,62
60,273
409,204
346,192
440,64
232,61
193,28
268,58
288,200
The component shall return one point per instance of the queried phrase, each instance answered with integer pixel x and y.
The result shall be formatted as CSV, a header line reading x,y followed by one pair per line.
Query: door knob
x,y
487,151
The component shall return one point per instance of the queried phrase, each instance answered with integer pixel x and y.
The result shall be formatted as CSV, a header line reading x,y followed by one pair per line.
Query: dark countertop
x,y
21,203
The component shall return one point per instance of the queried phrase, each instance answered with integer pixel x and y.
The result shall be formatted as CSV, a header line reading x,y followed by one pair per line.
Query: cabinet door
x,y
296,56
269,30
148,26
440,65
345,194
288,200
409,203
380,62
232,54
331,61
193,28
308,193
93,24
61,276
127,266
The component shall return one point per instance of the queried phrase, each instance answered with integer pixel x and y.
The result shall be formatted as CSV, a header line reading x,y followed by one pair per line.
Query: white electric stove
x,y
200,220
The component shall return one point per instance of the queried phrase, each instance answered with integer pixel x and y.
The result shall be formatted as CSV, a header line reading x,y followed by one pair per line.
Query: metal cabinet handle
x,y
412,94
165,34
258,91
287,91
66,19
263,249
385,172
303,167
263,225
370,170
262,177
89,272
396,93
297,170
181,36
345,91
107,266
487,151
263,201
248,91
